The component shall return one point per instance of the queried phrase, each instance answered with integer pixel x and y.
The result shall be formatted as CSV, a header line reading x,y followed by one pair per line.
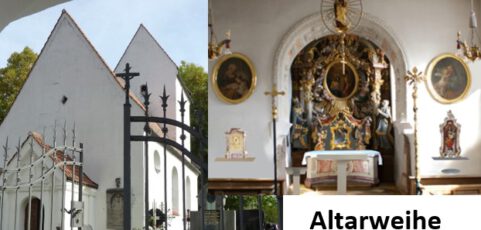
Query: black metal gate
x,y
161,139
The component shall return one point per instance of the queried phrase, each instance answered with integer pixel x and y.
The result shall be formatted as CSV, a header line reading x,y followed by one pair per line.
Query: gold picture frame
x,y
341,135
234,78
339,85
448,78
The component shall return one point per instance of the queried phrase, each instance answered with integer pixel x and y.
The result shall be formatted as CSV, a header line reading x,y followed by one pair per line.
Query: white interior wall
x,y
257,29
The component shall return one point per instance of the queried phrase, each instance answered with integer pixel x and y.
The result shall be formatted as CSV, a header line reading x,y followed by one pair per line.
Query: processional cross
x,y
274,93
413,78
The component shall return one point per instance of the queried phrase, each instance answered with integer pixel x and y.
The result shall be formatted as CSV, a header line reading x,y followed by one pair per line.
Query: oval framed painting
x,y
234,78
448,78
341,80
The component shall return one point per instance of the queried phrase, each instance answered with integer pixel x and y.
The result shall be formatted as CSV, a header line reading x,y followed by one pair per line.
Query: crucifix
x,y
413,78
127,76
275,93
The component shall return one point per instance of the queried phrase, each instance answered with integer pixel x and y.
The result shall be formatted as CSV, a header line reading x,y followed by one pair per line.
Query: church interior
x,y
344,97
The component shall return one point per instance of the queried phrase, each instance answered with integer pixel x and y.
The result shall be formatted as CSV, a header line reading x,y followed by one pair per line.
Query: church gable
x,y
156,68
71,83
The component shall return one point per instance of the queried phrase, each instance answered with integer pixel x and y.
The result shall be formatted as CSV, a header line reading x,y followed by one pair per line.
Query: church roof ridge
x,y
154,126
131,94
142,26
67,16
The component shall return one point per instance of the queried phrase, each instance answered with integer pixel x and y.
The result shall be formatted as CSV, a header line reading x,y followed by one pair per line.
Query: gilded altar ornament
x,y
413,78
342,131
235,146
450,130
340,16
448,78
340,13
234,78
320,141
340,136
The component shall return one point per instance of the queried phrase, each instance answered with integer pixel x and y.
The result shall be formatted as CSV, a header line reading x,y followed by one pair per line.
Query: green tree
x,y
195,80
269,205
13,76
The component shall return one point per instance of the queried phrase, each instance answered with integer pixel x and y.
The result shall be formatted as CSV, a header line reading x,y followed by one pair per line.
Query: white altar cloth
x,y
342,157
341,154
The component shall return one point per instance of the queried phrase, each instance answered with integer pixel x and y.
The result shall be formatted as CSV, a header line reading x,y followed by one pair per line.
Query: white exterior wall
x,y
15,204
258,29
156,69
69,66
156,181
89,199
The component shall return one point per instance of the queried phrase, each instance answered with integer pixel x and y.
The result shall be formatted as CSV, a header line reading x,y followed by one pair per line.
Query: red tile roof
x,y
57,158
59,155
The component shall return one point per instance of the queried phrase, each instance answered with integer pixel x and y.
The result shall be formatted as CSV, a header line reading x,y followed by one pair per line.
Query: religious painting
x,y
450,137
341,80
234,78
341,136
448,78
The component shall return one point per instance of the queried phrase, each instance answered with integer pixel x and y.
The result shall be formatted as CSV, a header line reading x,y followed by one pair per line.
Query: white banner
x,y
382,212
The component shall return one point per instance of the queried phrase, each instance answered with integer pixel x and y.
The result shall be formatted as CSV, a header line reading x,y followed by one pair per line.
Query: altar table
x,y
342,157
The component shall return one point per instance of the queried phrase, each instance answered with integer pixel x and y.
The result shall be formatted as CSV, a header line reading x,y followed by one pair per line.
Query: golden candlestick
x,y
470,52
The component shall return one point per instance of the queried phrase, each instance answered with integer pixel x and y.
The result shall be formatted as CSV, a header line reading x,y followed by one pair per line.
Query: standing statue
x,y
306,87
322,100
360,103
299,132
383,125
340,12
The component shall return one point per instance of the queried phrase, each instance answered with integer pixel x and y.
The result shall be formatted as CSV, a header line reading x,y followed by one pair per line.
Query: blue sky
x,y
180,26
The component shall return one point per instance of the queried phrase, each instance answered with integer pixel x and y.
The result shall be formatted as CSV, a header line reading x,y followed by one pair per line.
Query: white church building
x,y
71,84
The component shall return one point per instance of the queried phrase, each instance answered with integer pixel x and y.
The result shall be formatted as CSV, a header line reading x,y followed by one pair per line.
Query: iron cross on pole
x,y
127,76
275,93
